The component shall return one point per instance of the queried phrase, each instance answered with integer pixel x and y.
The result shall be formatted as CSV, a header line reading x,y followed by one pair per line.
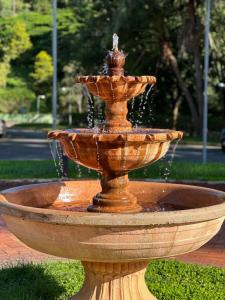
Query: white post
x,y
54,54
206,69
39,98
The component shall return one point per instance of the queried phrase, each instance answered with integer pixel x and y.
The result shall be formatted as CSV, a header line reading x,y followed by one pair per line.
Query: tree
x,y
20,41
11,7
43,70
72,94
165,35
14,40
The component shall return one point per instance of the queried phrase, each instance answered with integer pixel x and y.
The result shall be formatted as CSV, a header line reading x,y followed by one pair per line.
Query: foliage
x,y
4,71
42,6
19,42
42,76
164,38
14,40
15,99
167,280
43,69
10,8
71,93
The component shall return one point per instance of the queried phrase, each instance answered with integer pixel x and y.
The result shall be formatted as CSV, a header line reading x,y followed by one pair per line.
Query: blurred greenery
x,y
163,38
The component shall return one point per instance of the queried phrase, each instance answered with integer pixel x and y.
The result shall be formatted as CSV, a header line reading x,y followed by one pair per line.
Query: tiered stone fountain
x,y
125,224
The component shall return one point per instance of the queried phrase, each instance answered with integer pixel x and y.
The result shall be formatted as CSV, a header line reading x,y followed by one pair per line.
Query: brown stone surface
x,y
12,250
114,248
121,281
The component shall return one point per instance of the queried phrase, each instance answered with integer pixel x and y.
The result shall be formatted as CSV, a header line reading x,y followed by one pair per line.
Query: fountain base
x,y
109,281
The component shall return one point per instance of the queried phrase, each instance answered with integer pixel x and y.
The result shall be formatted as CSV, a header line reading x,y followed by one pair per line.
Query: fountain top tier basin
x,y
116,88
52,218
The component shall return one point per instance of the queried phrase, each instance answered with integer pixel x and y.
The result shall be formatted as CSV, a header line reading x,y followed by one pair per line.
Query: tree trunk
x,y
170,58
176,112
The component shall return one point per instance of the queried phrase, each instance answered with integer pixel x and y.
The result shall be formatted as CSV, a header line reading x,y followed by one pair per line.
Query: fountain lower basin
x,y
194,216
113,246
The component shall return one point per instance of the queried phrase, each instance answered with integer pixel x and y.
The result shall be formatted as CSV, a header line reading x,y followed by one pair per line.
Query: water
x,y
77,166
91,108
79,206
145,102
57,155
100,114
168,159
97,153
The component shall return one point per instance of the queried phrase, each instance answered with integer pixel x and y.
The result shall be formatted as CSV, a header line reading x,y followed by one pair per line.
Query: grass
x,y
178,170
167,280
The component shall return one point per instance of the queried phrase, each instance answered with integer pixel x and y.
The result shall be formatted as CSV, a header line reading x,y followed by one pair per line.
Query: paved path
x,y
25,145
33,145
13,251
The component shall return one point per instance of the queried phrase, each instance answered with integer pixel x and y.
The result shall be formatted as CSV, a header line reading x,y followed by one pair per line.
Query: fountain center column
x,y
112,281
116,116
114,196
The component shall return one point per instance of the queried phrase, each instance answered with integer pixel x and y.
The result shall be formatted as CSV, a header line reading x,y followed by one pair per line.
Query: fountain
x,y
114,227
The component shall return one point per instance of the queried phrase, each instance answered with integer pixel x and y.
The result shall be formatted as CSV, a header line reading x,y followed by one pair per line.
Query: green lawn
x,y
178,171
168,280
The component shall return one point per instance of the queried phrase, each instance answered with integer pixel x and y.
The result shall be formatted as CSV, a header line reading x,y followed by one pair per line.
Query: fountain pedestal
x,y
120,281
114,196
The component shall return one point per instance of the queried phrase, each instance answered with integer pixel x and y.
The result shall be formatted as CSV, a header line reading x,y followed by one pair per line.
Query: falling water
x,y
59,152
97,153
90,116
131,112
141,109
169,162
57,155
145,99
100,114
78,168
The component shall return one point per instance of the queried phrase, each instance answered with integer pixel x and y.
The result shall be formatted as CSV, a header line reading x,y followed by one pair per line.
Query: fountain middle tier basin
x,y
118,151
52,218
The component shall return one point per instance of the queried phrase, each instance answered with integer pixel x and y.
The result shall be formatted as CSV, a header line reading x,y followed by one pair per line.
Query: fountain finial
x,y
115,59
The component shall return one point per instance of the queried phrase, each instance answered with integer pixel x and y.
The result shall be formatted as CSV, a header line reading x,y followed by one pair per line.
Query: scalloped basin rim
x,y
136,134
116,219
114,78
